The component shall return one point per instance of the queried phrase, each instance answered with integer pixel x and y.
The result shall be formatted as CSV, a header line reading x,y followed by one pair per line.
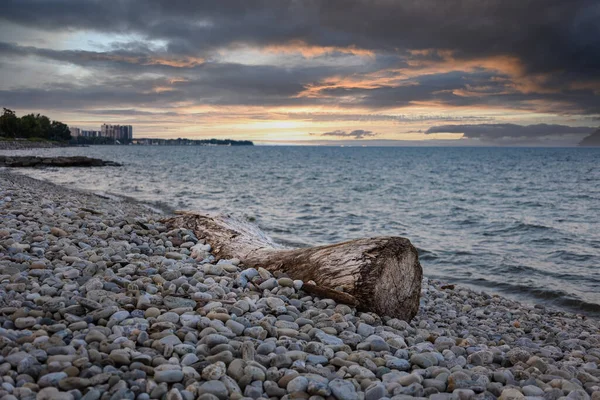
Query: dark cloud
x,y
494,132
530,55
124,78
123,59
130,112
396,118
69,98
459,89
210,83
356,134
546,35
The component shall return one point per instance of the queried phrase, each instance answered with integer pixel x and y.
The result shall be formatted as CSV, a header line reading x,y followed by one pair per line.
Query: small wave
x,y
362,189
291,243
542,295
521,271
559,298
534,204
307,217
426,255
529,227
571,256
582,196
160,206
279,230
467,222
520,228
463,253
543,241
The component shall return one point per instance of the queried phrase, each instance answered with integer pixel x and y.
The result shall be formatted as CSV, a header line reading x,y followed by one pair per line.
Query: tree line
x,y
32,126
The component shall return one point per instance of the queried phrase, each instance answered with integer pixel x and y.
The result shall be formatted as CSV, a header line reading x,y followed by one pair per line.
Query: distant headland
x,y
36,130
592,140
191,142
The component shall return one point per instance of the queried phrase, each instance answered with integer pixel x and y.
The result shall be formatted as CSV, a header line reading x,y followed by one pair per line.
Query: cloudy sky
x,y
274,71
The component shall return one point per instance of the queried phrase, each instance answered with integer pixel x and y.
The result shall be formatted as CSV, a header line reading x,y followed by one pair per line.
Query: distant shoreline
x,y
190,142
26,144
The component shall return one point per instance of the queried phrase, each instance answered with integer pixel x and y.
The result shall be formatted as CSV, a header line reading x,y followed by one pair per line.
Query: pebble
x,y
215,388
51,379
424,360
511,394
343,390
298,384
375,392
24,323
168,376
214,371
115,305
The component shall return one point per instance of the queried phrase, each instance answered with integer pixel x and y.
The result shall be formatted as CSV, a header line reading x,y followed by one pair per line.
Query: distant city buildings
x,y
116,132
90,133
75,131
123,134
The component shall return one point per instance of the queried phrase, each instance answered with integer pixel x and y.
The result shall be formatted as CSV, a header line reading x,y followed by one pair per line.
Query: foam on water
x,y
524,222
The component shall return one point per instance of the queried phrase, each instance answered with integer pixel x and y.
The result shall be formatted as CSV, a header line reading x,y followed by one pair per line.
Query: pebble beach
x,y
99,300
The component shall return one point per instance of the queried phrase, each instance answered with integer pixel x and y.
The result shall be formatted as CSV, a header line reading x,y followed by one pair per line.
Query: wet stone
x,y
102,301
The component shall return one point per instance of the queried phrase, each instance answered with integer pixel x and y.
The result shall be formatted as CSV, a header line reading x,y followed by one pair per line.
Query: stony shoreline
x,y
99,301
27,144
61,162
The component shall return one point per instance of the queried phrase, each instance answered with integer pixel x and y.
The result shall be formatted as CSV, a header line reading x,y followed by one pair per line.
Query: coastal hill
x,y
592,140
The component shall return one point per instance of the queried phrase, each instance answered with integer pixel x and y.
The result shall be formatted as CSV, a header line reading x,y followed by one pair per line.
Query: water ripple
x,y
523,222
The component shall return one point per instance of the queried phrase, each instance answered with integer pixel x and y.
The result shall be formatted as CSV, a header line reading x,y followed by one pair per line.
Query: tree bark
x,y
379,274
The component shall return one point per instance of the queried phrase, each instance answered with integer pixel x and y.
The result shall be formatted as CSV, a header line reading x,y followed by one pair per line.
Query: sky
x,y
489,72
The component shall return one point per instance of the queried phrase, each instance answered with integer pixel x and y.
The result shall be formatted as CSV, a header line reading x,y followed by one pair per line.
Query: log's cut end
x,y
391,284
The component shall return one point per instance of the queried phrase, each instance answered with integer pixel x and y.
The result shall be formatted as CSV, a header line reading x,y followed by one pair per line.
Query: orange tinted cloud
x,y
586,85
310,51
430,62
374,80
184,62
511,66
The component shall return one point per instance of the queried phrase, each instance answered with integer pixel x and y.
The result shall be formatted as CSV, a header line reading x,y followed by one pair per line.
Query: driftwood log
x,y
379,274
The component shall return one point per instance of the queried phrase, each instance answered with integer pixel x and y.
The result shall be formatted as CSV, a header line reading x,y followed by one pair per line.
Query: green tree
x,y
59,131
9,124
44,125
31,126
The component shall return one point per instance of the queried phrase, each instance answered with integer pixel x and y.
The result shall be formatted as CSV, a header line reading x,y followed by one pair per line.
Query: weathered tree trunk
x,y
379,274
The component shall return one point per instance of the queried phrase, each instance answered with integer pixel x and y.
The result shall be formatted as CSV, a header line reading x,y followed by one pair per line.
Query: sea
x,y
521,222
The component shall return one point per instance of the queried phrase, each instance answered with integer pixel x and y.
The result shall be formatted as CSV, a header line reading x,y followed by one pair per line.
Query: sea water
x,y
524,222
